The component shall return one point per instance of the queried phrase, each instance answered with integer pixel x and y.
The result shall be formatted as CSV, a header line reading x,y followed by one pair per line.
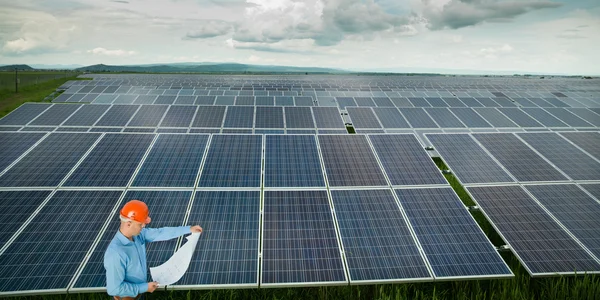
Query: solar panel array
x,y
286,196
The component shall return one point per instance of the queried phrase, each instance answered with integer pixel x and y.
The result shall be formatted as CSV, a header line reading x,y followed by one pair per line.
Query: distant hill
x,y
12,67
208,68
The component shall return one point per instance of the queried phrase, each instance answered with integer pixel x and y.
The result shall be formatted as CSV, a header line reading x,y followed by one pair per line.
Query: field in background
x,y
26,78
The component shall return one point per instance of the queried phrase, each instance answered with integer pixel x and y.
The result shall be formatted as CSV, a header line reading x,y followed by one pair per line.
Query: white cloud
x,y
43,34
209,29
117,52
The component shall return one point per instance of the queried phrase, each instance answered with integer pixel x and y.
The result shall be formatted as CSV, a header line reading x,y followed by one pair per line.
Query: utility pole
x,y
16,80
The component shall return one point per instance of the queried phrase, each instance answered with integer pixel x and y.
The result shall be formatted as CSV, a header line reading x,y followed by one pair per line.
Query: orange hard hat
x,y
136,210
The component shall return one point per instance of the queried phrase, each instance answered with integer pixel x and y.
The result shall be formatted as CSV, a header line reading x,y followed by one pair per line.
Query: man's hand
x,y
152,286
196,229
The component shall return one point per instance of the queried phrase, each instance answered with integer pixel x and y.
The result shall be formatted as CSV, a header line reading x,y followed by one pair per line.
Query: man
x,y
125,257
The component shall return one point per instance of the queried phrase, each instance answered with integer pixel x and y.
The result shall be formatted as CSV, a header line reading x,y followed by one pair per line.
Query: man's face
x,y
136,227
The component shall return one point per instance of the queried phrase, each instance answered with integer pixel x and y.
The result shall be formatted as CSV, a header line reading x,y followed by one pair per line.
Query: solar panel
x,y
50,161
299,240
518,158
35,261
401,102
343,102
284,101
269,117
265,100
453,243
556,102
454,102
148,115
229,245
349,161
444,118
494,117
419,102
363,117
544,117
587,115
292,161
55,115
469,117
24,114
391,118
239,117
178,116
117,115
567,117
13,145
298,117
519,117
539,242
15,208
575,210
383,102
436,102
112,162
87,115
587,141
225,100
165,99
405,161
377,240
185,100
101,99
240,167
209,116
244,100
205,100
572,161
304,101
418,118
469,162
364,101
174,161
328,117
125,99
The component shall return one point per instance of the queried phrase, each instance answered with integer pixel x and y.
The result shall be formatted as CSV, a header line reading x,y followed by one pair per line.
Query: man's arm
x,y
163,234
115,278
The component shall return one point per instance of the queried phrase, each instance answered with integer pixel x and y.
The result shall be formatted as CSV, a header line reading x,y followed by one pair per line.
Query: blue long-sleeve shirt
x,y
125,260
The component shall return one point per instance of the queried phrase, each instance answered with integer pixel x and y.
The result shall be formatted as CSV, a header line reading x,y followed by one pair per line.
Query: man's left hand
x,y
196,229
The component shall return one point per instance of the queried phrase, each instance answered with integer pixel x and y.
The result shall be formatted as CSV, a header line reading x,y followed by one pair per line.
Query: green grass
x,y
26,78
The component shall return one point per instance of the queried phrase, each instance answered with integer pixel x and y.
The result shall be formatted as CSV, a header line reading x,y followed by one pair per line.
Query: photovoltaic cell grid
x,y
299,239
292,161
35,261
112,162
173,161
539,242
24,114
453,243
349,161
117,115
209,116
269,117
178,116
467,160
55,115
588,141
444,118
518,158
298,117
14,144
230,241
148,116
239,117
572,161
50,161
405,161
88,115
328,117
15,208
377,241
363,117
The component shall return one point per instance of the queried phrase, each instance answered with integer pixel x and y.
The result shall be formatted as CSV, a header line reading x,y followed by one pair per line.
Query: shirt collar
x,y
122,238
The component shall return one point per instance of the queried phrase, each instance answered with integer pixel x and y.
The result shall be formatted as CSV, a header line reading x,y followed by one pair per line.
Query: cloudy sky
x,y
552,36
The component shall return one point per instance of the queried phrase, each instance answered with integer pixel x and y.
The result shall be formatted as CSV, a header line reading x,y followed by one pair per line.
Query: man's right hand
x,y
152,286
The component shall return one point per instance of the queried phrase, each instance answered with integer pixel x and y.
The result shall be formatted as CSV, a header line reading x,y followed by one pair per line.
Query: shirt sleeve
x,y
115,278
163,234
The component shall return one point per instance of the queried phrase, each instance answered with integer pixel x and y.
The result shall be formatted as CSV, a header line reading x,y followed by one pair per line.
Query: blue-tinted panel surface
x,y
343,102
444,118
117,115
228,248
567,117
299,239
390,118
13,145
451,239
148,115
298,117
284,101
418,118
565,156
209,116
55,115
469,117
233,161
269,117
405,161
587,115
377,241
86,116
467,160
587,141
46,254
519,117
544,117
50,161
15,208
574,209
349,161
239,117
304,101
112,162
174,161
363,117
167,208
292,161
540,243
517,158
24,114
178,116
328,117
495,117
